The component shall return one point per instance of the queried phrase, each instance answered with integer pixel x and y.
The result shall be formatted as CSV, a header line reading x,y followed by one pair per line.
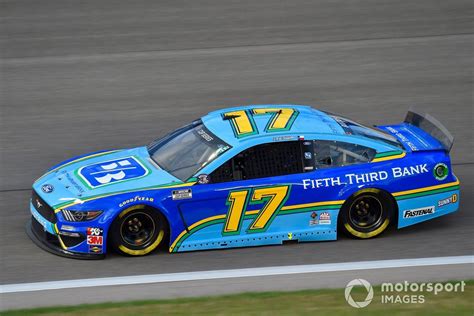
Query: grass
x,y
309,302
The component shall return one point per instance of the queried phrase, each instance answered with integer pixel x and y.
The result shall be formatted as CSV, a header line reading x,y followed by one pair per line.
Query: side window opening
x,y
266,160
336,154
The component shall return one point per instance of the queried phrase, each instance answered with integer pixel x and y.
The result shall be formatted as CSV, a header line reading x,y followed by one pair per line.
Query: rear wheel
x,y
367,213
137,231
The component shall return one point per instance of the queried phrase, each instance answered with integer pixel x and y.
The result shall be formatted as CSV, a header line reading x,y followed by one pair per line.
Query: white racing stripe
x,y
234,273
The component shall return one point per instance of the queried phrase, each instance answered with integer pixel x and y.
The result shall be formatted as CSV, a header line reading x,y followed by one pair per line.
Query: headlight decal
x,y
80,216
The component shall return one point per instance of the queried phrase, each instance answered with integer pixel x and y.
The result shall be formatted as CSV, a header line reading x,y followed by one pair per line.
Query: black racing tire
x,y
367,213
137,231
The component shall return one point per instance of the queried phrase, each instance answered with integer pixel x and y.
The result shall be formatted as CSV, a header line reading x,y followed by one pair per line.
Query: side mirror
x,y
203,179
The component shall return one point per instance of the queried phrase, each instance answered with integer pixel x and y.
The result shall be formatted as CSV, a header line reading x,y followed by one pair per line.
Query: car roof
x,y
305,119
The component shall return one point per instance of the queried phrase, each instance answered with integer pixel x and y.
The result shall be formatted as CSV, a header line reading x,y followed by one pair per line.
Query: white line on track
x,y
234,273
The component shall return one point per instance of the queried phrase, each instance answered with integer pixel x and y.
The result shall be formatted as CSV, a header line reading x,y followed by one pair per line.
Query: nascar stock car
x,y
247,176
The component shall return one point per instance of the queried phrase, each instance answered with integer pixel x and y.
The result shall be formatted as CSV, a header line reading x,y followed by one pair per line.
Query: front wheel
x,y
367,213
137,231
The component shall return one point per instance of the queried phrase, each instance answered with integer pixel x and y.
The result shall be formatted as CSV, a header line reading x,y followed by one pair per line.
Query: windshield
x,y
353,128
184,152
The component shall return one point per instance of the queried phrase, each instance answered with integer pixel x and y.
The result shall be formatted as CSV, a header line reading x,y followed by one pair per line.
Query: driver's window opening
x,y
266,160
284,158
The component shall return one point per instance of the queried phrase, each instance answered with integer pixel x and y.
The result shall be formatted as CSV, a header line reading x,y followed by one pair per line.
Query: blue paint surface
x,y
121,179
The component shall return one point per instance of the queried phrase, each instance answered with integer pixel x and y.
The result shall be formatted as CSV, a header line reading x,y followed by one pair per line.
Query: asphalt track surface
x,y
80,76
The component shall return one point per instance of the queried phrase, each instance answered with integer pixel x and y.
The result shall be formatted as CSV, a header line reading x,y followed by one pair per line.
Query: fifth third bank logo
x,y
359,283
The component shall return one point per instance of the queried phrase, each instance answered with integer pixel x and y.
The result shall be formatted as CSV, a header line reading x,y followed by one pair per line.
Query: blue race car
x,y
247,176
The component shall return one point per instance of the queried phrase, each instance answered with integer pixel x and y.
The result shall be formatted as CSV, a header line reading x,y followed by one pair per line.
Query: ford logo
x,y
47,188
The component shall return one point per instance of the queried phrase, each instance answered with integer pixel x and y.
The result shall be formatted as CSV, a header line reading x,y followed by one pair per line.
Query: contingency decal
x,y
95,236
182,194
243,123
324,219
112,171
452,199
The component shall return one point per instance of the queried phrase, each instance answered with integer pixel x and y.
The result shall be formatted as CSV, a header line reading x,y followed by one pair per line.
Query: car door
x,y
245,195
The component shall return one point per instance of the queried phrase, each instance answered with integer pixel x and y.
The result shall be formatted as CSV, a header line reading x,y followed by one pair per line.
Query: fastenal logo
x,y
359,283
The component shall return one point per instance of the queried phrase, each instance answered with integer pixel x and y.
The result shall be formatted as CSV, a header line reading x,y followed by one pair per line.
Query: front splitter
x,y
43,244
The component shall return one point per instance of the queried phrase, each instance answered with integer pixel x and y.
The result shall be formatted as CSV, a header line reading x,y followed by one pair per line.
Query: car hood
x,y
101,173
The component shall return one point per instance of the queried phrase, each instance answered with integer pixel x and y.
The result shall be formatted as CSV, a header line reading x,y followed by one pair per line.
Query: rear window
x,y
353,128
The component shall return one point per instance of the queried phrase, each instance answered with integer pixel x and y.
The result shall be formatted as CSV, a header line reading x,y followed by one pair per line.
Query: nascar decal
x,y
95,236
353,178
243,123
112,171
419,212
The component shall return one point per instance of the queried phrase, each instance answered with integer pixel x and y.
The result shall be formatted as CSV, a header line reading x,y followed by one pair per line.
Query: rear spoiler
x,y
431,126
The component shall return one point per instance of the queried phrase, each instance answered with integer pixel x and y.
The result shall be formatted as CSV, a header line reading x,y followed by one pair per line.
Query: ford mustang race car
x,y
247,176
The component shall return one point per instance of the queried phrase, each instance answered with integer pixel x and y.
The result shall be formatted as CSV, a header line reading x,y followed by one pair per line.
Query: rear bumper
x,y
417,208
45,241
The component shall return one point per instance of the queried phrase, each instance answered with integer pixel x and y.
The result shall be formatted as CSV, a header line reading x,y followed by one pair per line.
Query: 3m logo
x,y
112,171
95,240
94,236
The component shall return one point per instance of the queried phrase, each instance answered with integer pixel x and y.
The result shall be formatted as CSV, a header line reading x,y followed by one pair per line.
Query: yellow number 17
x,y
273,197
243,123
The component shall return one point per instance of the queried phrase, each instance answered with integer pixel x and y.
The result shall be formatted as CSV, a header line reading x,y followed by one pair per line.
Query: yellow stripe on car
x,y
389,157
80,201
434,187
